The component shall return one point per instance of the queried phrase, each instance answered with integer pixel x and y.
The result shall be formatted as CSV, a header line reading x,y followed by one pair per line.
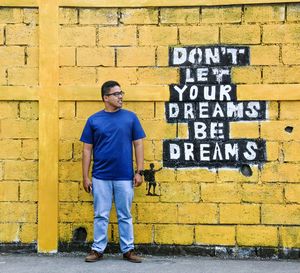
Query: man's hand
x,y
87,184
138,180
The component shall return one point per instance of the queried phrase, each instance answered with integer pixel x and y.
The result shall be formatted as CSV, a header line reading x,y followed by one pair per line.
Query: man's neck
x,y
111,109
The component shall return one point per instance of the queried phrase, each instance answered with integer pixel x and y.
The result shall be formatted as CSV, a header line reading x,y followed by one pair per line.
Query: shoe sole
x,y
132,261
92,261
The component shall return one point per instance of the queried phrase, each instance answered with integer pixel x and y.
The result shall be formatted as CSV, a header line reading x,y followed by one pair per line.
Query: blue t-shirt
x,y
111,134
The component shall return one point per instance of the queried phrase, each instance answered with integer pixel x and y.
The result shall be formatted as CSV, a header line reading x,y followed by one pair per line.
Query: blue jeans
x,y
104,191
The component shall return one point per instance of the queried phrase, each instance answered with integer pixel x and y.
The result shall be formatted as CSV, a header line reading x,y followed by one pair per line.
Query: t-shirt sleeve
x,y
137,129
87,133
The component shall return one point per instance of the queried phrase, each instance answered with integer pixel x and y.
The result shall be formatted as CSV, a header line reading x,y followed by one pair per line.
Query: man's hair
x,y
107,86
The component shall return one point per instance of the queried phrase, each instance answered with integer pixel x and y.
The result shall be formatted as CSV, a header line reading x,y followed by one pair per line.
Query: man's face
x,y
114,97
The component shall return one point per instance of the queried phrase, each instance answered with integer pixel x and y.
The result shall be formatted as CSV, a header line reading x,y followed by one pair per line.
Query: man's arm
x,y
139,157
86,162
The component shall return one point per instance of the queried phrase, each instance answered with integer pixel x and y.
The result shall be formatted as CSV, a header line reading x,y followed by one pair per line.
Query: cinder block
x,y
117,36
77,36
291,151
101,16
19,128
75,212
291,54
292,193
289,110
158,149
31,16
215,235
71,129
293,12
180,192
287,33
165,174
244,129
28,233
65,232
143,234
280,214
70,171
21,34
20,170
28,76
87,108
1,35
9,191
221,192
8,109
162,56
239,214
280,130
215,15
139,16
290,237
272,148
246,34
95,56
202,213
29,110
83,195
65,150
77,76
12,56
11,149
3,79
246,75
197,175
9,232
284,172
273,110
29,191
11,15
30,149
136,56
264,13
156,213
68,16
156,75
264,55
67,56
124,76
18,212
32,56
174,234
156,129
179,15
254,193
68,191
77,150
190,35
257,236
281,74
66,109
153,35
144,110
236,175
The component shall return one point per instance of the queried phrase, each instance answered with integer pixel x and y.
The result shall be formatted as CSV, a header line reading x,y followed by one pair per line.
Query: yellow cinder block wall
x,y
130,45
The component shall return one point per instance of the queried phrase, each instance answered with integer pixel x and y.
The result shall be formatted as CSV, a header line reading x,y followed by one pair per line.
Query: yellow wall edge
x,y
48,127
268,92
132,93
19,93
18,3
163,3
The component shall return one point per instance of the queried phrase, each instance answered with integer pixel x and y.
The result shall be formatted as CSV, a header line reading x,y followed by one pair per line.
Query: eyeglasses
x,y
116,94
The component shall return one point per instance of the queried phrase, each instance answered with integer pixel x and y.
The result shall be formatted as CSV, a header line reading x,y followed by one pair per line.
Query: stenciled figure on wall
x,y
150,179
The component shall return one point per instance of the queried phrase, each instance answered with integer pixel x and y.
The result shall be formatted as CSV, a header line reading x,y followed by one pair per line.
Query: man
x,y
109,135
